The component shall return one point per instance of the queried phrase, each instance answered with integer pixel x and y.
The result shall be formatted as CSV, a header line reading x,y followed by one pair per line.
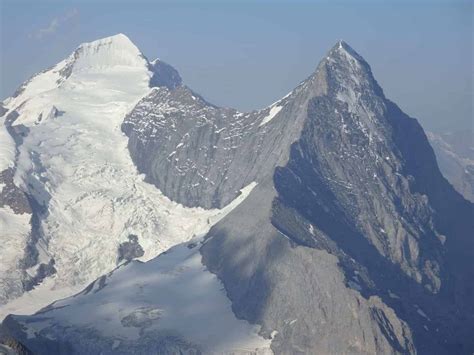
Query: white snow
x,y
393,295
171,292
421,313
16,225
14,232
354,285
271,114
7,148
114,51
79,165
38,84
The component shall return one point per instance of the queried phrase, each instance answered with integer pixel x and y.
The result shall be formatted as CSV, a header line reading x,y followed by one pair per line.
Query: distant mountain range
x,y
159,223
455,155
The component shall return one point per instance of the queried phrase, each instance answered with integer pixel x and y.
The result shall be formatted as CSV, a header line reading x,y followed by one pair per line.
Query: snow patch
x,y
271,114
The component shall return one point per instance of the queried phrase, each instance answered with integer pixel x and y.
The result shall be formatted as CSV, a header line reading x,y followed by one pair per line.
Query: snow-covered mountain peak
x,y
62,145
107,52
114,56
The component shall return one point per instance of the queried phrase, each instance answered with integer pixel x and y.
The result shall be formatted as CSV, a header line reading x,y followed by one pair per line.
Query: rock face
x,y
341,170
164,75
202,155
351,241
455,156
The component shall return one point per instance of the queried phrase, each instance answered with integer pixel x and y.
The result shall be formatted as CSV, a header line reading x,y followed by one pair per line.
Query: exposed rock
x,y
358,186
11,195
131,249
202,155
164,75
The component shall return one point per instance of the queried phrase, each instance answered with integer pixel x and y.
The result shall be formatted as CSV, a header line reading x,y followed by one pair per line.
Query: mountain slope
x,y
360,181
361,187
350,242
71,200
171,304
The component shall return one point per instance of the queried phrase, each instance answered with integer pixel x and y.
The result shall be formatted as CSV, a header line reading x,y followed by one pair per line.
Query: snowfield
x,y
171,294
75,162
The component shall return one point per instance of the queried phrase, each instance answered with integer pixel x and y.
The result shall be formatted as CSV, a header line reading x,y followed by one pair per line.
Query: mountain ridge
x,y
350,241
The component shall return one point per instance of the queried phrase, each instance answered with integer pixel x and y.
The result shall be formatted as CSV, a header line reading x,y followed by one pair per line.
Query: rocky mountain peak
x,y
342,48
348,78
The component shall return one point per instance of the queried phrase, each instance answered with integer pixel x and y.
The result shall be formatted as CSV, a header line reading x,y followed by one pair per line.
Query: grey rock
x,y
11,195
142,317
361,185
202,155
164,75
131,249
11,346
338,157
43,271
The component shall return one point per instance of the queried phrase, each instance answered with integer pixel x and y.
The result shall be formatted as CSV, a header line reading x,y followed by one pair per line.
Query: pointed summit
x,y
342,49
346,73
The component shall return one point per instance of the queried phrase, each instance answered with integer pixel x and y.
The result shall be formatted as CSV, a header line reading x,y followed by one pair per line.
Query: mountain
x,y
72,204
455,155
336,232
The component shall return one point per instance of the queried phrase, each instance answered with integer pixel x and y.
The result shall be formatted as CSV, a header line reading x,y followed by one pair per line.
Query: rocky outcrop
x,y
131,249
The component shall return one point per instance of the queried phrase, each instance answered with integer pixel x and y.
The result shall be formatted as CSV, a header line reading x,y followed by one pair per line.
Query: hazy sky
x,y
248,54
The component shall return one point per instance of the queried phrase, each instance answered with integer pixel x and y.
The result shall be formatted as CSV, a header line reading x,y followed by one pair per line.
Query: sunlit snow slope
x,y
169,305
72,160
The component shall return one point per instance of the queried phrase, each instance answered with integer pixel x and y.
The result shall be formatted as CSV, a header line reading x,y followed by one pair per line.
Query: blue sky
x,y
248,54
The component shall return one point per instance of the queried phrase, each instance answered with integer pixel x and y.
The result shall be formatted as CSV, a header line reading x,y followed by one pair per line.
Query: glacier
x,y
75,164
